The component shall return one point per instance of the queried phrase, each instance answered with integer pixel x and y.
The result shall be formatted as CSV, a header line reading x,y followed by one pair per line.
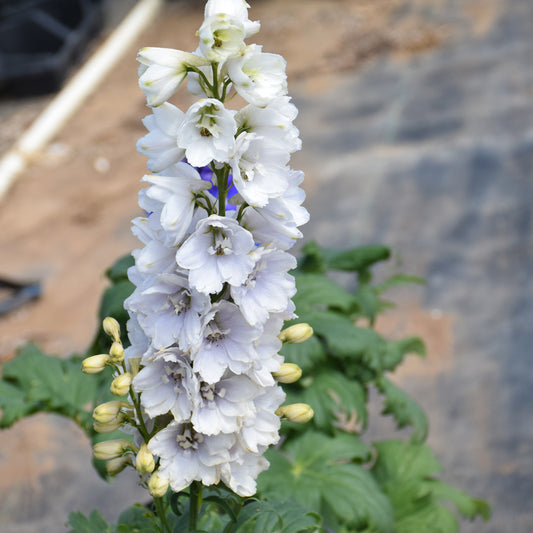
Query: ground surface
x,y
417,122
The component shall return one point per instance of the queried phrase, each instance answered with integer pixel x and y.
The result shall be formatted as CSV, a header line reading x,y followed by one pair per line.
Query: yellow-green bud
x,y
157,485
116,465
121,384
296,334
108,427
107,412
116,352
288,373
296,412
111,449
144,461
95,363
112,328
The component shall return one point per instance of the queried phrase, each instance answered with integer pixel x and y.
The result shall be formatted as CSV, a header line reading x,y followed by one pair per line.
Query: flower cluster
x,y
212,285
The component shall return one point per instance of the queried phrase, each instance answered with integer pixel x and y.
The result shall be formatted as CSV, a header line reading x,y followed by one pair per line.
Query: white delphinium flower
x,y
257,76
162,70
207,132
228,343
220,407
177,195
188,456
169,311
212,283
160,144
217,252
268,287
258,169
274,123
167,385
236,9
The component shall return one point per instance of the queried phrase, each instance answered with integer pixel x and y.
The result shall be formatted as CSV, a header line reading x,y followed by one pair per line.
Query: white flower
x,y
241,473
217,252
273,123
207,132
167,386
162,70
228,343
237,9
258,77
258,169
220,407
177,194
221,37
188,456
169,311
160,144
268,287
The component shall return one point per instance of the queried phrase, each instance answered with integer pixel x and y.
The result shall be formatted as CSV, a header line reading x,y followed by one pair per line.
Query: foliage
x,y
323,475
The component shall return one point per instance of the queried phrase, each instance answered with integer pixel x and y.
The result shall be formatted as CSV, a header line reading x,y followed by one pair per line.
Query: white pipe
x,y
61,108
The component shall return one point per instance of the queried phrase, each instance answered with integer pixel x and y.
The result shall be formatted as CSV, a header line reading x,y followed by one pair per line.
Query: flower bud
x,y
135,365
144,461
110,449
95,363
116,352
108,427
296,334
121,384
112,328
288,373
157,486
116,465
107,412
296,412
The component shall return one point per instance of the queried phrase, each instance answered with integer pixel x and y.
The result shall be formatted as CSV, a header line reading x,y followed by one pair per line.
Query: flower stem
x,y
158,502
194,505
222,184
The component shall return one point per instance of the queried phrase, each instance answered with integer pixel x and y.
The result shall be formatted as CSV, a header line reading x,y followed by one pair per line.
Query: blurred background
x,y
417,125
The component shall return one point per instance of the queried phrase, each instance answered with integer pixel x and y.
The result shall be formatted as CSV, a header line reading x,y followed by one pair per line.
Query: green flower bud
x,y
109,411
111,449
121,384
296,412
157,485
112,328
296,334
108,427
95,363
144,461
116,352
116,465
288,373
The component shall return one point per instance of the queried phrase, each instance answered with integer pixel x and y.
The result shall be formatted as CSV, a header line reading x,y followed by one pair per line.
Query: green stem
x,y
137,405
160,508
194,504
241,211
222,184
214,68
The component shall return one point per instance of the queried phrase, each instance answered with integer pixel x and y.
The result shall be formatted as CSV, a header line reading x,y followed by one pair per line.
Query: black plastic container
x,y
40,40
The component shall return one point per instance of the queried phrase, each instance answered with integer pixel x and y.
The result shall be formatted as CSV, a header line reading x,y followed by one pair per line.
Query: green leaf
x,y
312,259
93,524
337,402
112,303
395,352
51,384
405,410
358,259
137,519
306,354
119,270
429,518
276,516
399,461
316,470
14,405
343,338
466,506
396,280
316,291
